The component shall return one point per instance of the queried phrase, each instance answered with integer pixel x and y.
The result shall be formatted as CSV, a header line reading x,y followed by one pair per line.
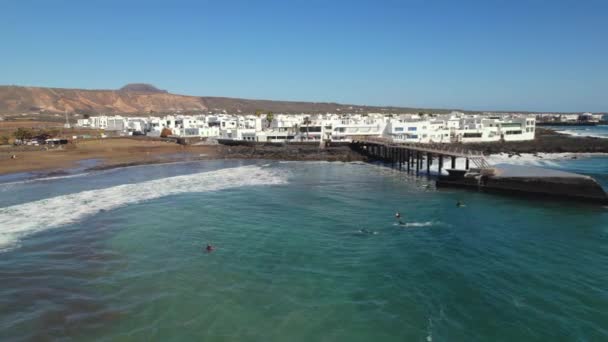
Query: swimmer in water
x,y
459,204
397,215
209,248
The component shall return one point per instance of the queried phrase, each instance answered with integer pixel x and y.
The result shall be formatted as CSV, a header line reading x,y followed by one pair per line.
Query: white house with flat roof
x,y
405,128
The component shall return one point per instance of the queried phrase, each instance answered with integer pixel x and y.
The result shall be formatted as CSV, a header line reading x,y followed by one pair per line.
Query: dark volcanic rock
x,y
546,141
290,152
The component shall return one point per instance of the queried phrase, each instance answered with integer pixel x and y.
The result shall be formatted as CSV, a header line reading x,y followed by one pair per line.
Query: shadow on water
x,y
48,284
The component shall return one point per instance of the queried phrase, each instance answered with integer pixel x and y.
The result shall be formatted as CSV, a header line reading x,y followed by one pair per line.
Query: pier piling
x,y
413,156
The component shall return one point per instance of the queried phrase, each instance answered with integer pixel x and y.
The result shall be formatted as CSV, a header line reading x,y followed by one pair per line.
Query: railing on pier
x,y
476,157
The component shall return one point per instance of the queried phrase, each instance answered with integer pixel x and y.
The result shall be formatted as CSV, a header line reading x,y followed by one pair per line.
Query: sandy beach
x,y
109,152
119,152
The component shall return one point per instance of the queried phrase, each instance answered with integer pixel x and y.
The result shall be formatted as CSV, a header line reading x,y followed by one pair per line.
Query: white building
x,y
408,128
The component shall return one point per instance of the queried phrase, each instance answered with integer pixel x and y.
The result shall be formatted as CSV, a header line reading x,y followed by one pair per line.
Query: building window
x,y
398,129
411,129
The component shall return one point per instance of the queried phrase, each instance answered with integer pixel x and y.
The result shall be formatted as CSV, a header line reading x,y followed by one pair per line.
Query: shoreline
x,y
99,155
32,175
105,154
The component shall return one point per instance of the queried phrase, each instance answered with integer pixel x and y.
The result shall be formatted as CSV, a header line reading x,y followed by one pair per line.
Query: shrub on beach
x,y
23,134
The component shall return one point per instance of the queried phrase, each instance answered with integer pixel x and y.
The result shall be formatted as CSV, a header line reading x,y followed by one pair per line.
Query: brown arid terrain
x,y
110,152
129,100
143,99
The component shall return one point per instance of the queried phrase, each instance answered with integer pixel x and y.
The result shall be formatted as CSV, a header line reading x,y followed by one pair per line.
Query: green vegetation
x,y
307,122
27,134
4,140
269,118
23,134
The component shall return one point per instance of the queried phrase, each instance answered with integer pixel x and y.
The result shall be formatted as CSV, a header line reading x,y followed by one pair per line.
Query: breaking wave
x,y
418,224
42,179
21,220
592,133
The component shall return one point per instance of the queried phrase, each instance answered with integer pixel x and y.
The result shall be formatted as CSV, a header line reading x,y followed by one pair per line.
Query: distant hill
x,y
141,88
129,100
139,98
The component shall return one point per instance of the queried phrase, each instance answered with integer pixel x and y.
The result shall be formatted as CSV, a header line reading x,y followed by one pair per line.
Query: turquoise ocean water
x,y
599,131
304,252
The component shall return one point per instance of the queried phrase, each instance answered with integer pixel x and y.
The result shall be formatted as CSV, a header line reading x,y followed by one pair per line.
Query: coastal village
x,y
456,127
424,143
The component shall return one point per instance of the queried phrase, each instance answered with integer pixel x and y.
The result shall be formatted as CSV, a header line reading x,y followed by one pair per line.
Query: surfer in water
x,y
460,204
209,248
398,218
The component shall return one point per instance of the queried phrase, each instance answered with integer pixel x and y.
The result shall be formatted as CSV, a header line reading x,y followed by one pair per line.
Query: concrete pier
x,y
528,181
480,175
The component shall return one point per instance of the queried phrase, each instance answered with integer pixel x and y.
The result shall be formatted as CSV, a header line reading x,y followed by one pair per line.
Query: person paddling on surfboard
x,y
209,248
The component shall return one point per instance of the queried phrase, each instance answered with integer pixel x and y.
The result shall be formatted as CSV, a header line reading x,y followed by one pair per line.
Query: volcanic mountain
x,y
140,98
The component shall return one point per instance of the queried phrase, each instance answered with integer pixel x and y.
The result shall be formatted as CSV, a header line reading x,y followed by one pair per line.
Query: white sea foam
x,y
417,224
96,172
43,179
583,133
539,159
21,220
420,224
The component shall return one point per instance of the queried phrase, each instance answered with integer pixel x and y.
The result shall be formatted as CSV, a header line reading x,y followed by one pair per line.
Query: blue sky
x,y
492,54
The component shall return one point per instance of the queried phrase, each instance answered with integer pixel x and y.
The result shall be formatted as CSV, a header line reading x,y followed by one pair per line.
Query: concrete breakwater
x,y
527,181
